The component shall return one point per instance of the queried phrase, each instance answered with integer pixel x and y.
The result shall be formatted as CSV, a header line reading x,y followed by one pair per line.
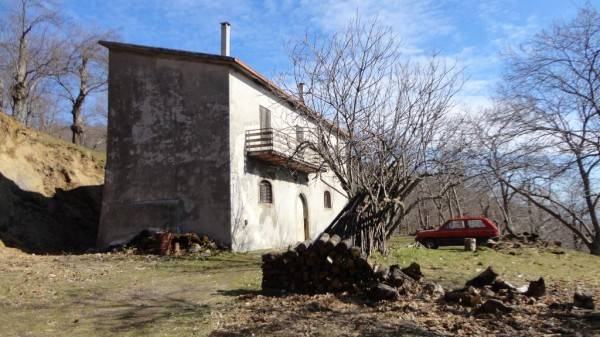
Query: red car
x,y
454,232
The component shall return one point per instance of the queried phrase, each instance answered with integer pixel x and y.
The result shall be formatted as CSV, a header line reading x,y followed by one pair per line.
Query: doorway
x,y
304,221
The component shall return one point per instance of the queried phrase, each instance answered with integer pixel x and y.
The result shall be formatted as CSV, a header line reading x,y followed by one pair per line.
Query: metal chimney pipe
x,y
301,91
225,27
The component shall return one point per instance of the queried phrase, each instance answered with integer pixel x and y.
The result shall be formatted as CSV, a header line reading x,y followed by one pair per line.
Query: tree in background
x,y
29,41
386,114
491,163
50,69
83,71
550,111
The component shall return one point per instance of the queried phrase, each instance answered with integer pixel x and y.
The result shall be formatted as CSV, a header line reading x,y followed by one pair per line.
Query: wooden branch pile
x,y
332,265
359,222
169,243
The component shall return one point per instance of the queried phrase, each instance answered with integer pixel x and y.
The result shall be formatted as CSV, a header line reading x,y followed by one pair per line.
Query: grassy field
x,y
129,295
452,265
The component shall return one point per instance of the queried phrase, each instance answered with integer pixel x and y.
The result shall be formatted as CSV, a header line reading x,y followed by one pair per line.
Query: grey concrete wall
x,y
168,148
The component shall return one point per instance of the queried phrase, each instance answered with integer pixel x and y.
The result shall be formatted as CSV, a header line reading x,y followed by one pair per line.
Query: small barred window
x,y
266,192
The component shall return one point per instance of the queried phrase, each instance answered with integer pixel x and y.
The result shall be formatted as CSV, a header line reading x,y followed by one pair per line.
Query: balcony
x,y
278,148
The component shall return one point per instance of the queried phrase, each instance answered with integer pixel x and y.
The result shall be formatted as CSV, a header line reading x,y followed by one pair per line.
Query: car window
x,y
476,224
456,224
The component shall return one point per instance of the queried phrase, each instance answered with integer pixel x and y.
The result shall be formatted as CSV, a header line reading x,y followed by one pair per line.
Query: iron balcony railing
x,y
278,147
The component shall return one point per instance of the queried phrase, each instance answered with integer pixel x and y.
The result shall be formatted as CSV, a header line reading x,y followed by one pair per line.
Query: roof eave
x,y
224,60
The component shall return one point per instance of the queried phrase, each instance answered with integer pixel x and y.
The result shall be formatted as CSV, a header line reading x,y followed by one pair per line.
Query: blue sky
x,y
473,33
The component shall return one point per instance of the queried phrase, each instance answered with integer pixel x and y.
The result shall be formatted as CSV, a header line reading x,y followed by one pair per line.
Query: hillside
x,y
50,191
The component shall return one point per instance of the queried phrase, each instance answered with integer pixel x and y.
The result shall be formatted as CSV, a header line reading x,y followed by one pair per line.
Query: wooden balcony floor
x,y
281,159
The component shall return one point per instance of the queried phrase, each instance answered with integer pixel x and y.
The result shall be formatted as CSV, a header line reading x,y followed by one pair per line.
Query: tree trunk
x,y
77,127
19,88
422,223
595,247
450,208
457,201
18,95
506,211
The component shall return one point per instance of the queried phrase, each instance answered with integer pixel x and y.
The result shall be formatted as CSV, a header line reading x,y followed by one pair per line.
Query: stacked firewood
x,y
329,264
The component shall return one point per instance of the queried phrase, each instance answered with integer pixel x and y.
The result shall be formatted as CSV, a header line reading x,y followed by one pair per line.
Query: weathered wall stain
x,y
168,129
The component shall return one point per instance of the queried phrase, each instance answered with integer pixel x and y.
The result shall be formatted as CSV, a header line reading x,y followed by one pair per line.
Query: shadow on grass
x,y
143,312
239,292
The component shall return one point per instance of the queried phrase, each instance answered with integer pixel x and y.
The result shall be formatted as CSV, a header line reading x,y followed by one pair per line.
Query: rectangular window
x,y
456,224
476,224
265,118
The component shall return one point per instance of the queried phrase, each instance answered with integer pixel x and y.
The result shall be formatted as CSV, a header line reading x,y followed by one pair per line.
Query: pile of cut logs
x,y
330,264
327,265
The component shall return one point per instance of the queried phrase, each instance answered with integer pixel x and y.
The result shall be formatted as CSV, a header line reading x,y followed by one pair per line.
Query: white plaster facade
x,y
258,225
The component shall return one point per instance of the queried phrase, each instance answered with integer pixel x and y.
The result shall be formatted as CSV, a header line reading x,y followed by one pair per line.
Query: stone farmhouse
x,y
202,142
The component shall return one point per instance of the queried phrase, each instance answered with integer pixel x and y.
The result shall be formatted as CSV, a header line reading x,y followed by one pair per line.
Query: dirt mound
x,y
38,162
50,191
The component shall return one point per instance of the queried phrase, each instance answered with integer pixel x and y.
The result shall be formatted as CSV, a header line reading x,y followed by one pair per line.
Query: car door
x,y
477,229
454,232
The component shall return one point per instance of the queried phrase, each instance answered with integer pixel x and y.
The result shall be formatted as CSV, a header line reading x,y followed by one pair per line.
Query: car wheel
x,y
430,243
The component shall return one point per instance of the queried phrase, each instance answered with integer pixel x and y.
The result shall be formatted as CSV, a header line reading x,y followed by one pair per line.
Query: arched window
x,y
266,192
327,199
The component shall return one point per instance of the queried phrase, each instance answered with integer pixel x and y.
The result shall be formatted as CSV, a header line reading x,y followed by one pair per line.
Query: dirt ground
x,y
132,295
353,316
119,294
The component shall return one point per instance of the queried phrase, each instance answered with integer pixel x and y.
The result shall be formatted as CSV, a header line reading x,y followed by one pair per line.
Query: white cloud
x,y
413,21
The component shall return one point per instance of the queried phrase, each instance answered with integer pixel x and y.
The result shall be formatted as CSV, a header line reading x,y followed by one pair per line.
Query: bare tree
x,y
43,105
551,112
376,121
83,71
491,161
32,48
